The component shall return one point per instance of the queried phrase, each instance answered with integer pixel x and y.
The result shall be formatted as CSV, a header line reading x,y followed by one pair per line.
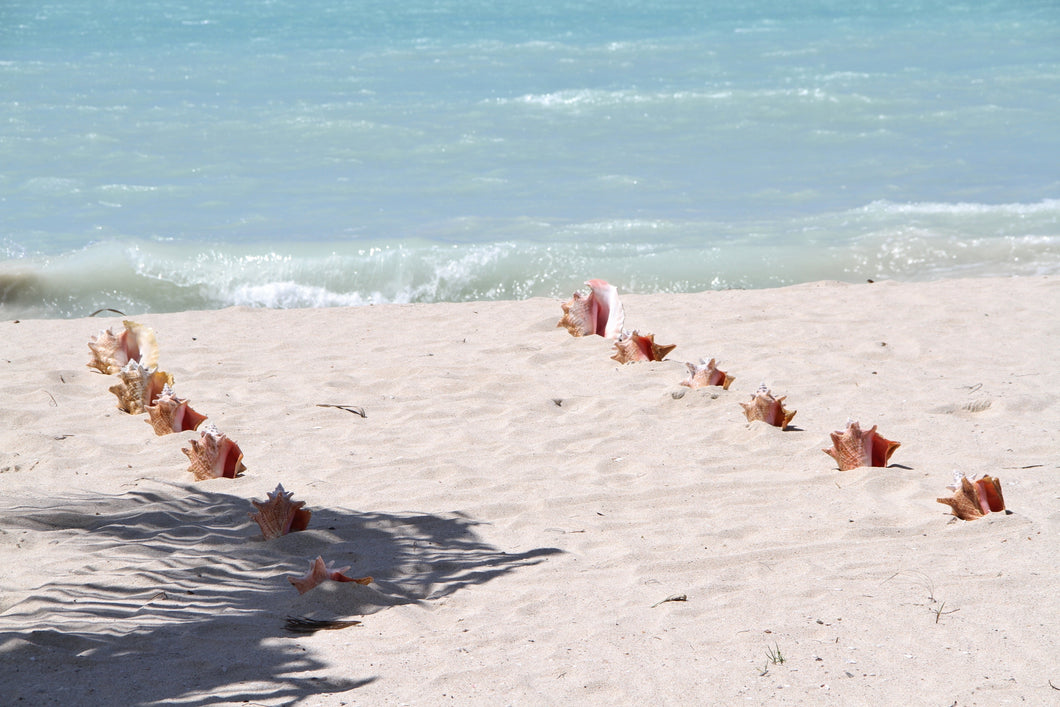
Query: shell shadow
x,y
177,587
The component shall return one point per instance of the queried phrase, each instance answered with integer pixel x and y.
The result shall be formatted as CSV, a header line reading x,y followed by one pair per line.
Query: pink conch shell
x,y
319,572
706,373
765,407
600,312
855,447
214,456
110,351
633,346
975,499
170,413
280,515
139,387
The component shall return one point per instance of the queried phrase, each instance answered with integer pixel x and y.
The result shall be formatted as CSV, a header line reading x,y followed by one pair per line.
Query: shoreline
x,y
171,284
529,509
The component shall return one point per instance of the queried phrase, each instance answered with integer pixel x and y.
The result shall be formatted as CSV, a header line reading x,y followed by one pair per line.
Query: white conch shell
x,y
279,515
855,447
319,572
765,407
706,373
632,346
170,413
214,456
975,499
139,386
600,312
111,351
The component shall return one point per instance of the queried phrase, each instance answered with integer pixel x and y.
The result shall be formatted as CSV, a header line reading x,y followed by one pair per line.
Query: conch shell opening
x,y
111,351
600,312
706,373
854,447
765,407
632,347
279,515
214,456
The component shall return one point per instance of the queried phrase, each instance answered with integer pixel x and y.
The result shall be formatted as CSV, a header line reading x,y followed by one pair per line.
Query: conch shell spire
x,y
600,312
214,456
706,373
279,515
765,407
633,346
139,387
111,351
854,447
975,499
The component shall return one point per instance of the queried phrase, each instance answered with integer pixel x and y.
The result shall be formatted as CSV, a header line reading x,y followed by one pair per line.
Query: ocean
x,y
161,156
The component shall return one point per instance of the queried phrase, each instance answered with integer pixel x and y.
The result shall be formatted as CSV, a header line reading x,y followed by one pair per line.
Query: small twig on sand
x,y
107,309
297,624
672,597
156,595
923,580
940,613
355,409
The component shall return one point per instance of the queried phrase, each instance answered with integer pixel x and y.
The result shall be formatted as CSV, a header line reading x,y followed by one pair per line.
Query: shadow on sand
x,y
172,596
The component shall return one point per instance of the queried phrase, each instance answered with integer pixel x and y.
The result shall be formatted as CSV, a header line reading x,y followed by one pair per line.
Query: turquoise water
x,y
160,156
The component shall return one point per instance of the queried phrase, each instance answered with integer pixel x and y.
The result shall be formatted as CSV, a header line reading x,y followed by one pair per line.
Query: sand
x,y
527,506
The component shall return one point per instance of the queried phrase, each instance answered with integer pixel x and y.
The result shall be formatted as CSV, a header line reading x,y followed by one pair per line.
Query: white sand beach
x,y
543,525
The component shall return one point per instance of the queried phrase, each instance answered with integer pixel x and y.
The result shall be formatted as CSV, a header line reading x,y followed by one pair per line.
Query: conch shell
x,y
319,572
139,386
280,515
856,447
975,499
765,407
706,373
600,312
214,456
170,413
110,351
633,346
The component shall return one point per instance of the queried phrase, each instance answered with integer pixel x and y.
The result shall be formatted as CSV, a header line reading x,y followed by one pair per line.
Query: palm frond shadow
x,y
179,580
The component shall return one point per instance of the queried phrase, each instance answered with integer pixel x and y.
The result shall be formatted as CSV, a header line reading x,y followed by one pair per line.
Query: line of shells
x,y
600,313
131,354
